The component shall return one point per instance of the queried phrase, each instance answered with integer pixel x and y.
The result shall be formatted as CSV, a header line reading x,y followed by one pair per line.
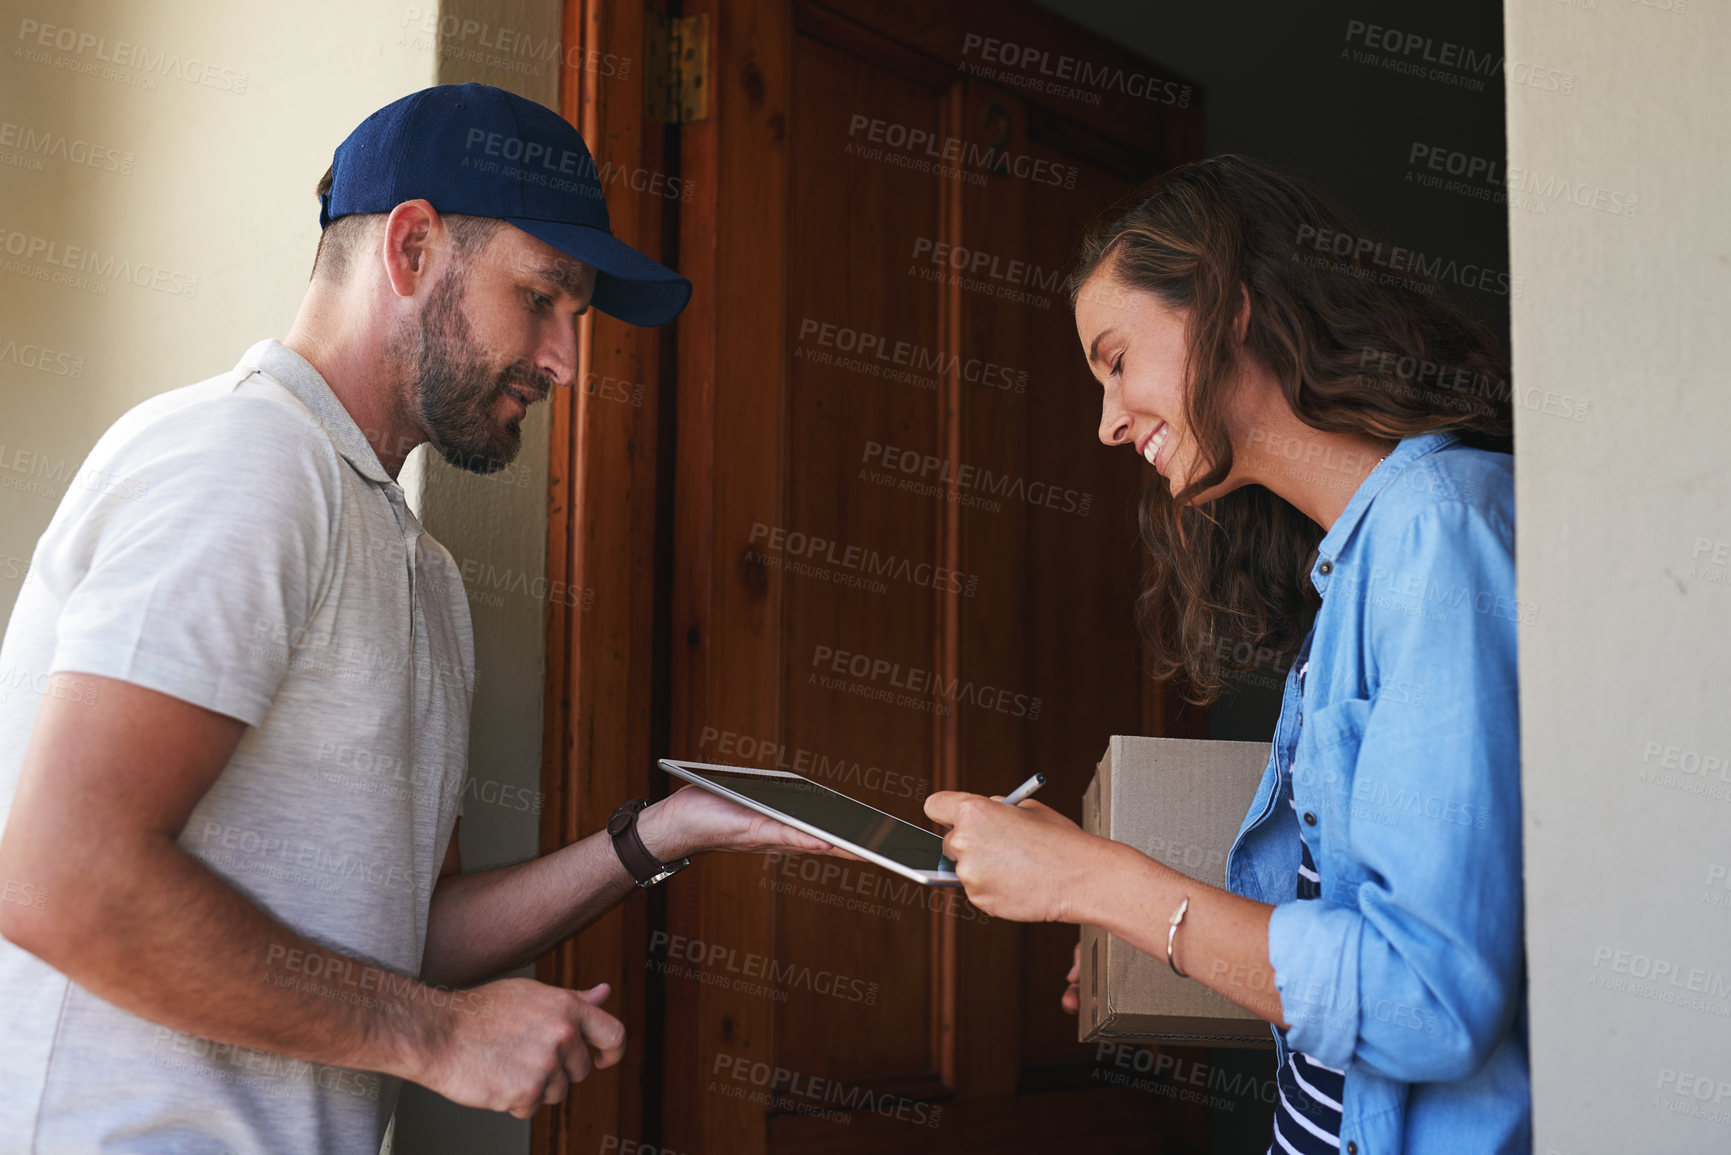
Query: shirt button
x,y
1351,1148
1309,818
1326,567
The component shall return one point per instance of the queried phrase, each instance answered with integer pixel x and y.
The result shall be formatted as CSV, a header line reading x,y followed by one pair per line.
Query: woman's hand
x,y
1026,863
692,820
1072,1000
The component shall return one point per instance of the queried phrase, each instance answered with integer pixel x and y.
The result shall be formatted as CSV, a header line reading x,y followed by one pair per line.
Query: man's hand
x,y
1026,863
516,1044
692,820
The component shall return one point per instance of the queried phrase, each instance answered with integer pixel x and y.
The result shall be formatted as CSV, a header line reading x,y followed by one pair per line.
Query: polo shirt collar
x,y
297,375
1405,452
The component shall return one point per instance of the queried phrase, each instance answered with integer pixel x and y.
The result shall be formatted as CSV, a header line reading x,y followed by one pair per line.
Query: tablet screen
x,y
827,810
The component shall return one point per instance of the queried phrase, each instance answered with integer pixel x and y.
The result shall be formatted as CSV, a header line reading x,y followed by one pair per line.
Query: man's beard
x,y
455,392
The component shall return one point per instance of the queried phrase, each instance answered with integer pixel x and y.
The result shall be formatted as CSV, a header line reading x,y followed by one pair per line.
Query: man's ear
x,y
1241,324
409,242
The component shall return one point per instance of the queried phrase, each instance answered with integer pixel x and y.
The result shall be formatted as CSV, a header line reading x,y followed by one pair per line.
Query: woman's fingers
x,y
1071,1000
943,805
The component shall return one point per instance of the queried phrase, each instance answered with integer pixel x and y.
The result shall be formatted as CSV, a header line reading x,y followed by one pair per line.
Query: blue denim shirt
x,y
1402,745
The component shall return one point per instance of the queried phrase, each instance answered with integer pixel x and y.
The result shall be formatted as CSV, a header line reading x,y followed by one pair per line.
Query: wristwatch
x,y
639,863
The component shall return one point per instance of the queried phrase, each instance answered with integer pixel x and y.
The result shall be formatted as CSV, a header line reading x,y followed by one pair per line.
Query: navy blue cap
x,y
476,150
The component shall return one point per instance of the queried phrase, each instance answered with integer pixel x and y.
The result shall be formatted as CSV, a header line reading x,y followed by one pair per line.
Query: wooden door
x,y
891,554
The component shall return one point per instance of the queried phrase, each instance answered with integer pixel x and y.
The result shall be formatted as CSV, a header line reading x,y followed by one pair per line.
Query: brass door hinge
x,y
676,70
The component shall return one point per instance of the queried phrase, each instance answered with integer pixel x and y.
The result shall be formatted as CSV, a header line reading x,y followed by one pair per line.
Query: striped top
x,y
1307,1113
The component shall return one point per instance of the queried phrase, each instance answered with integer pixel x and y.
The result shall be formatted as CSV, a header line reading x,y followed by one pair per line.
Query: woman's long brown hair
x,y
1360,339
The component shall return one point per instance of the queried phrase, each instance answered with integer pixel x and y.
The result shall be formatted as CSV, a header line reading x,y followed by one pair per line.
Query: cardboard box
x,y
1180,801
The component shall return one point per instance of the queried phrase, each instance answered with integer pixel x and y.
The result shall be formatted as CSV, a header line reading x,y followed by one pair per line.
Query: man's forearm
x,y
170,941
486,923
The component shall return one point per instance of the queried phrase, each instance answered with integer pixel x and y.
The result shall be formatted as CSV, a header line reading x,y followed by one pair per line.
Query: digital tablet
x,y
911,851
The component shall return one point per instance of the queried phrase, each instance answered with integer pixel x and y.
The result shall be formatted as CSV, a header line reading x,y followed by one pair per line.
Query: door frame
x,y
607,501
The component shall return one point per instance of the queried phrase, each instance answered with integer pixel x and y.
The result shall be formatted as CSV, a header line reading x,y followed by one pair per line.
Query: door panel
x,y
855,595
896,559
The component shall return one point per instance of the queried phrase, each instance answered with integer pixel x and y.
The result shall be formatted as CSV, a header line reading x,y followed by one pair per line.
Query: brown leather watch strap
x,y
628,845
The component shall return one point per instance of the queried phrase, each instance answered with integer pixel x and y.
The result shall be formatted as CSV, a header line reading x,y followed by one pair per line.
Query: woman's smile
x,y
1154,443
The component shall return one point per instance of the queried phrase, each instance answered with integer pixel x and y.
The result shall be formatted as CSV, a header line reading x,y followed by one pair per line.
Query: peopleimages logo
x,y
269,849
480,42
813,1094
40,358
67,689
538,163
1043,71
35,144
1415,54
930,475
92,268
847,772
1357,253
1668,972
1462,389
718,964
40,476
799,552
948,151
120,54
987,273
904,362
918,682
1683,1093
230,1062
980,263
1524,188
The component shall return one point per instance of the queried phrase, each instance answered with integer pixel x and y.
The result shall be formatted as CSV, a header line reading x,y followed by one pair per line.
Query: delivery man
x,y
230,783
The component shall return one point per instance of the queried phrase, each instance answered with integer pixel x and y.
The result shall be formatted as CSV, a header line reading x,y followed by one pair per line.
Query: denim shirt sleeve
x,y
1415,972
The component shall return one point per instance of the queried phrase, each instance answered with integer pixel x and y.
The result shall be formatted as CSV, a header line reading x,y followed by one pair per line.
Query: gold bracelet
x,y
1171,932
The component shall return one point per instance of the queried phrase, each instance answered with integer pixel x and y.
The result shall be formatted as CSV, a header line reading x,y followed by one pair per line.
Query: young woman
x,y
1328,434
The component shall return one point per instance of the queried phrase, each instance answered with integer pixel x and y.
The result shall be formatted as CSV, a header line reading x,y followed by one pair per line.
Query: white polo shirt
x,y
237,544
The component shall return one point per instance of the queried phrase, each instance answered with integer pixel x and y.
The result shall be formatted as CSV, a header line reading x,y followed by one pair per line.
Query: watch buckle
x,y
668,870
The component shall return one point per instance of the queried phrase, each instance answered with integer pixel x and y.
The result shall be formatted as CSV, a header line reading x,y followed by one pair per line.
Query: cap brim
x,y
628,285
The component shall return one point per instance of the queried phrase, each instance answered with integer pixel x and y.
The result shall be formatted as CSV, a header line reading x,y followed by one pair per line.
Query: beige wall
x,y
204,188
211,189
1625,557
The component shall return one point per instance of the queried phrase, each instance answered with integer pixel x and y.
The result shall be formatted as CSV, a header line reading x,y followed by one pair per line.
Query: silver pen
x,y
1025,790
